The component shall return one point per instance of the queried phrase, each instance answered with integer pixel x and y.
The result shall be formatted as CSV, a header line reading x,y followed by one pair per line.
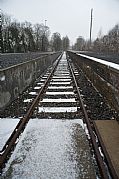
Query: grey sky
x,y
68,17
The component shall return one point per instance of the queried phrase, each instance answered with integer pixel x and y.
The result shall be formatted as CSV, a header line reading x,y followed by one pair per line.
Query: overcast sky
x,y
68,17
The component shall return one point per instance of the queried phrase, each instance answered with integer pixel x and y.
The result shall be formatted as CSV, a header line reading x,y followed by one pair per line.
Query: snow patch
x,y
27,100
33,93
7,125
60,83
60,93
60,87
57,109
113,65
60,100
2,78
61,79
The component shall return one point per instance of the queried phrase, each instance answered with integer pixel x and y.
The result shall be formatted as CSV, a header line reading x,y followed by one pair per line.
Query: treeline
x,y
108,44
24,37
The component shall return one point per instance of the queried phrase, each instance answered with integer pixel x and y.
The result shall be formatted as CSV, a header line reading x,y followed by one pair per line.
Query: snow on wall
x,y
113,65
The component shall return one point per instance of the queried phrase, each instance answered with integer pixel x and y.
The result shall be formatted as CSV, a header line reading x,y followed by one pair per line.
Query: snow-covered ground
x,y
60,83
57,109
60,87
61,79
7,125
113,65
59,100
51,149
60,93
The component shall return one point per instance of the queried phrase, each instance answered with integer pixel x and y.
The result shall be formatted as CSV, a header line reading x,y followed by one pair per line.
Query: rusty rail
x,y
107,160
98,156
22,123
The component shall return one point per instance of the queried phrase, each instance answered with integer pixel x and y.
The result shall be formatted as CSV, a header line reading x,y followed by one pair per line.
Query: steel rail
x,y
98,156
23,121
108,161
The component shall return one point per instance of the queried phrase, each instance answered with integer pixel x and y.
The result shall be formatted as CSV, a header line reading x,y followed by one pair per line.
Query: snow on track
x,y
51,149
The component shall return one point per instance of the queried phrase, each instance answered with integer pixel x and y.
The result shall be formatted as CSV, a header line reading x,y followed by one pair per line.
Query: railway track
x,y
57,94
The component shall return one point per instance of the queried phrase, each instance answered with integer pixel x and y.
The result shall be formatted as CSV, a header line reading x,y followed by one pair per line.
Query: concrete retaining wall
x,y
15,79
103,77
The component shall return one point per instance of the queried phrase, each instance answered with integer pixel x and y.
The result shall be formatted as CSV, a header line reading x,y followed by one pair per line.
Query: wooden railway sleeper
x,y
22,123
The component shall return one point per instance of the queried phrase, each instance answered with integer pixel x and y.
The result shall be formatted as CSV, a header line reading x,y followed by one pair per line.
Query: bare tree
x,y
41,36
56,41
65,43
108,43
80,43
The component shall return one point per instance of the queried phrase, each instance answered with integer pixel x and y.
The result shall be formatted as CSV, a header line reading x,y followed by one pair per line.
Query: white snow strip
x,y
7,125
64,65
27,100
60,93
62,68
47,73
39,83
2,78
61,75
58,77
43,80
61,79
60,87
57,109
61,71
113,65
76,72
44,77
37,87
60,83
33,93
47,100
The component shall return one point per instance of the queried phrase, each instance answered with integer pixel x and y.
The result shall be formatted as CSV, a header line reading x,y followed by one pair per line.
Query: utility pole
x,y
91,18
1,39
45,23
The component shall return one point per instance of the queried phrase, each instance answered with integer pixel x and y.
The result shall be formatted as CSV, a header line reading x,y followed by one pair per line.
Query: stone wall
x,y
15,79
103,77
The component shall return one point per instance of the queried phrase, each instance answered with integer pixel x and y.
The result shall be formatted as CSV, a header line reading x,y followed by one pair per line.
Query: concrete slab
x,y
51,149
7,125
109,132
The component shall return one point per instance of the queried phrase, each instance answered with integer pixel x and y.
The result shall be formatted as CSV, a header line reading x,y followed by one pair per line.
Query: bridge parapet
x,y
15,79
103,77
